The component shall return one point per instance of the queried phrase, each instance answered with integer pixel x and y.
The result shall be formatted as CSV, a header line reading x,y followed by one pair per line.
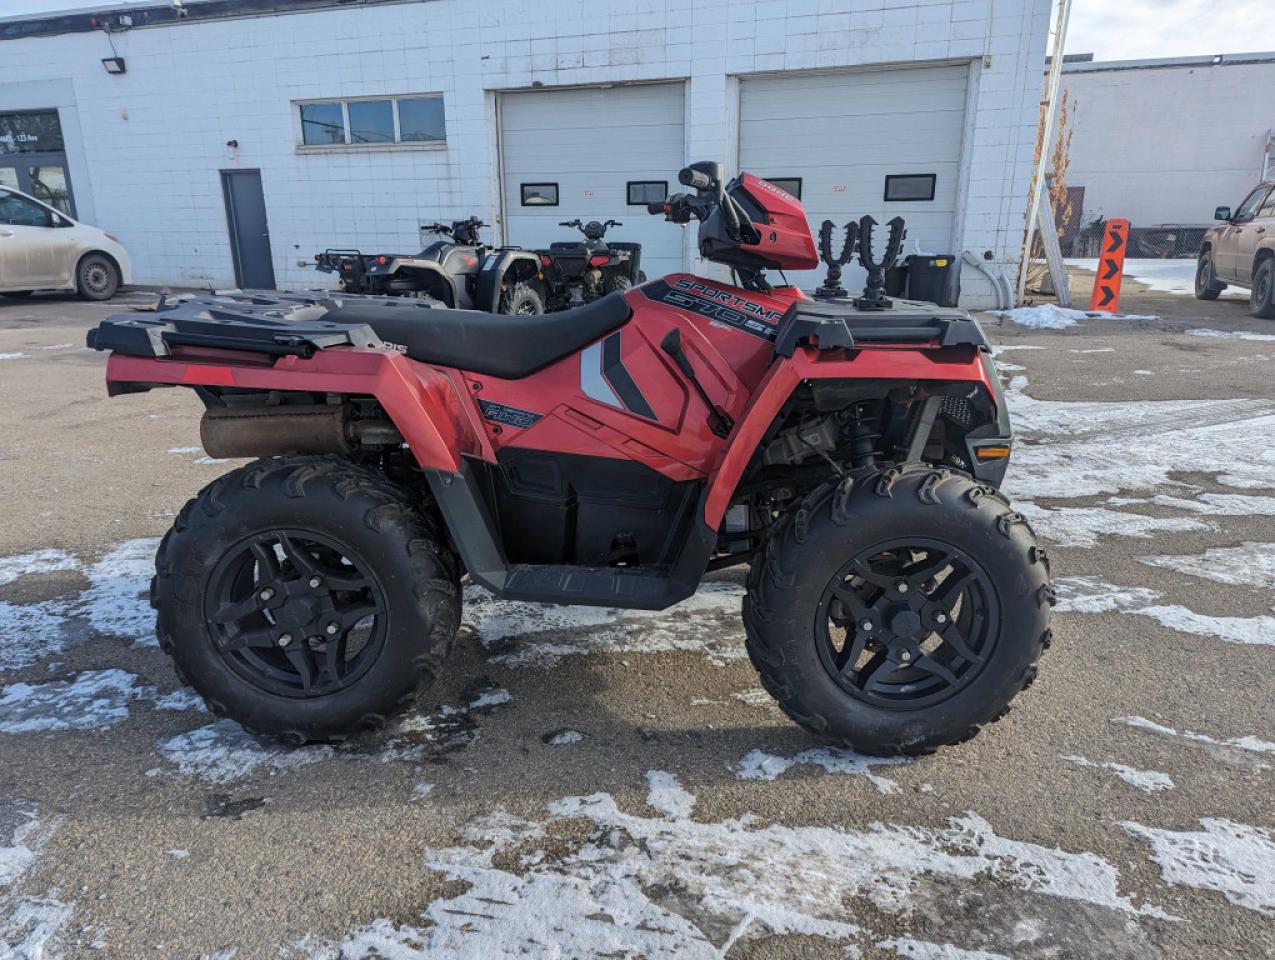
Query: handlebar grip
x,y
694,178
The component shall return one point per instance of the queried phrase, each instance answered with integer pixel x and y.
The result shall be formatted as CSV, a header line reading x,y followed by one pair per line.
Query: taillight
x,y
546,261
599,260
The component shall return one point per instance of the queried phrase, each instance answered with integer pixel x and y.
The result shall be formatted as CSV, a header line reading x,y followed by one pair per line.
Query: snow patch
x,y
1237,751
30,927
1084,526
92,701
1070,449
1231,858
12,356
422,790
672,886
1230,334
1148,781
665,794
36,562
117,601
182,700
924,950
1050,316
184,449
224,752
563,738
706,623
1092,595
1249,564
759,765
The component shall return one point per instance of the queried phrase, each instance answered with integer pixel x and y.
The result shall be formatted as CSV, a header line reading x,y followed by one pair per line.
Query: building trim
x,y
1167,63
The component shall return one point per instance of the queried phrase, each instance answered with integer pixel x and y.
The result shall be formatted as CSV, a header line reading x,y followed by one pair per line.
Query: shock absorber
x,y
863,442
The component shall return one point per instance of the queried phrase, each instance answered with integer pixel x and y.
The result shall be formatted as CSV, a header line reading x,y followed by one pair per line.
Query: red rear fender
x,y
425,403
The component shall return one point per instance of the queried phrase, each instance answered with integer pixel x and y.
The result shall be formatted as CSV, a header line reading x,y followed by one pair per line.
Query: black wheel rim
x,y
296,614
907,624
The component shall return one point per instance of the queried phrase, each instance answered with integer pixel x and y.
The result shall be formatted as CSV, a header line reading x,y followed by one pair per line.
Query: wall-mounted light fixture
x,y
113,64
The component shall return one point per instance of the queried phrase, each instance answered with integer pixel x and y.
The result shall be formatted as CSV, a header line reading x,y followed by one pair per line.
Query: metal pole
x,y
1047,131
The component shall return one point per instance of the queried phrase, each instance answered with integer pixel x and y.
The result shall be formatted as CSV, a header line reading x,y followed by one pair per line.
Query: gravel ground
x,y
587,783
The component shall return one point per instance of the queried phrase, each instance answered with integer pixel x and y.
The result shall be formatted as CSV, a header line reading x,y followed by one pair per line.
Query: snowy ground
x,y
589,783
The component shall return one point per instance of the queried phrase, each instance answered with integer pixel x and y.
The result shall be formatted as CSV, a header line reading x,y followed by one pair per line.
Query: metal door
x,y
40,175
249,232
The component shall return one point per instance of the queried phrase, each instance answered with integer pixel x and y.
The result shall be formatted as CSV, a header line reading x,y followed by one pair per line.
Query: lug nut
x,y
315,582
332,628
867,626
267,593
901,586
940,618
905,656
285,639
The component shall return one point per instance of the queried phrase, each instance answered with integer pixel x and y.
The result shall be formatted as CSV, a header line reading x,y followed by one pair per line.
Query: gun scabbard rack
x,y
859,235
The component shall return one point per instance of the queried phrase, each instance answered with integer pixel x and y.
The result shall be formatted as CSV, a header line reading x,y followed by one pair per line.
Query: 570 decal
x,y
720,306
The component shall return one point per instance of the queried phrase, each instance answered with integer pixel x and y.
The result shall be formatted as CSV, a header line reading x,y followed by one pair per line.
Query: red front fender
x,y
808,363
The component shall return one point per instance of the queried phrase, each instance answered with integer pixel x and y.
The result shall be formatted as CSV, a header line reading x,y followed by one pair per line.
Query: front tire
x,y
1206,283
305,597
96,277
898,612
1261,297
522,299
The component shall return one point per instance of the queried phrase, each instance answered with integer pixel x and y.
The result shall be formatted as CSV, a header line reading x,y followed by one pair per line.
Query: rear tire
x,y
877,693
305,597
618,283
1261,297
1206,283
524,299
96,277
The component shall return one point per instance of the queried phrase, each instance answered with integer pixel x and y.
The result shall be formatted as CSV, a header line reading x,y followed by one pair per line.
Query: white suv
x,y
43,249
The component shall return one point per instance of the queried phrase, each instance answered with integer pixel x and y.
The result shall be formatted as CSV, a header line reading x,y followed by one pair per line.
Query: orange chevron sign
x,y
1106,287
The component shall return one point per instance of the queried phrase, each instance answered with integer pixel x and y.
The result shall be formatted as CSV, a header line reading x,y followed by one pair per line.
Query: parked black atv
x,y
459,271
582,271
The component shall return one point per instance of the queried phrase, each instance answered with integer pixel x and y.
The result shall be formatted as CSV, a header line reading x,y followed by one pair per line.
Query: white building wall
x,y
1167,144
155,138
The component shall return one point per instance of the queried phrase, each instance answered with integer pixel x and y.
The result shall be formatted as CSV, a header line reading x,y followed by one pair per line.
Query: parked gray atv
x,y
458,270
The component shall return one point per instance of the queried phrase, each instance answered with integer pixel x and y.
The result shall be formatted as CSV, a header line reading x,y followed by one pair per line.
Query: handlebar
x,y
695,179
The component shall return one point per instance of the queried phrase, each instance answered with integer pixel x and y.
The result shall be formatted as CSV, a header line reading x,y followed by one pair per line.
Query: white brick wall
x,y
154,138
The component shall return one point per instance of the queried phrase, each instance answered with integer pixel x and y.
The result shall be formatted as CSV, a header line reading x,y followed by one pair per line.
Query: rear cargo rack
x,y
274,324
837,323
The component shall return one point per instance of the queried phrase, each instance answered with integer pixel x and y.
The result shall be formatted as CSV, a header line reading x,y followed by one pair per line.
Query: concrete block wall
x,y
1162,143
155,138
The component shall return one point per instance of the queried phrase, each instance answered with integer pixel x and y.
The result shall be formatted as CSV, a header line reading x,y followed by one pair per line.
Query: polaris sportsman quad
x,y
581,271
610,455
459,271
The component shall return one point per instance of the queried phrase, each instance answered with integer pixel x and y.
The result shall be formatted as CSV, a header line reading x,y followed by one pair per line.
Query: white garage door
x,y
841,135
584,147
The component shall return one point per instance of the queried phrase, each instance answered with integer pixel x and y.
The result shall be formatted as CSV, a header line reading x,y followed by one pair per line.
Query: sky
x,y
1109,29
1140,29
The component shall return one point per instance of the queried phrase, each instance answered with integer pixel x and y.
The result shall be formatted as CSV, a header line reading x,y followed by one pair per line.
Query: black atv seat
x,y
496,344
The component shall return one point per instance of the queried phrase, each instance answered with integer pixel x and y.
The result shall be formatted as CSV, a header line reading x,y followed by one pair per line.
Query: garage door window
x,y
642,192
904,187
373,122
787,184
539,194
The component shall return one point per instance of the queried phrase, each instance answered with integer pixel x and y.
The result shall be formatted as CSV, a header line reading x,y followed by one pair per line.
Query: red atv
x,y
611,454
